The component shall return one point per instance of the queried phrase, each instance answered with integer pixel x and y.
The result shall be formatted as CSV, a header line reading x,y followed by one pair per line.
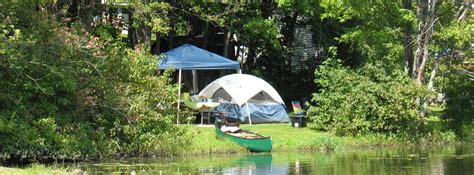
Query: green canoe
x,y
252,141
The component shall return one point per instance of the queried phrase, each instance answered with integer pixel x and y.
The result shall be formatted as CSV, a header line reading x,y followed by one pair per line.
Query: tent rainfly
x,y
189,57
248,98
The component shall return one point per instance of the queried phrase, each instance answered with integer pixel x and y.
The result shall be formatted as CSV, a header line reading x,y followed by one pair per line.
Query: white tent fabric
x,y
241,88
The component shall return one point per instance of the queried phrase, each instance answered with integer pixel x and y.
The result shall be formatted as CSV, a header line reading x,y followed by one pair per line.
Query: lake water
x,y
420,160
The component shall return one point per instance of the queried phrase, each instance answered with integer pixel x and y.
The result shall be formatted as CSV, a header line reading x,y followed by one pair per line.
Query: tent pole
x,y
179,96
248,112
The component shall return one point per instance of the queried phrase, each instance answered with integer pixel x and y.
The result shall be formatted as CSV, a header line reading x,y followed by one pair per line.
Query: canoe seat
x,y
246,135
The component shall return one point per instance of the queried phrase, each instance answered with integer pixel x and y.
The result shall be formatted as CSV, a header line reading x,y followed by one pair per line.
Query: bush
x,y
354,102
68,94
459,110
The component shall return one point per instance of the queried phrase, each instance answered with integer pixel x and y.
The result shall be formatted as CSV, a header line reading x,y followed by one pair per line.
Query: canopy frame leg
x,y
179,96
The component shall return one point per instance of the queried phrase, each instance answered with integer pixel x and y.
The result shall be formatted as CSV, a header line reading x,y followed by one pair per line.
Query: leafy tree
x,y
453,45
70,94
460,105
352,102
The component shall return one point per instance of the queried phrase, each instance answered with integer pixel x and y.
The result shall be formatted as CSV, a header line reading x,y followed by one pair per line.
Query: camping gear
x,y
189,57
298,119
298,122
252,141
297,110
201,107
246,97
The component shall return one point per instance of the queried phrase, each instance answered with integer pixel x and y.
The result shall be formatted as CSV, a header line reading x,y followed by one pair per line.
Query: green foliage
x,y
328,143
149,103
459,110
67,94
154,15
262,31
365,101
377,37
453,45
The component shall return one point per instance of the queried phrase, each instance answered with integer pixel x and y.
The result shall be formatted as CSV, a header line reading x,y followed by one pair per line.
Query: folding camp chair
x,y
297,110
298,119
202,107
193,106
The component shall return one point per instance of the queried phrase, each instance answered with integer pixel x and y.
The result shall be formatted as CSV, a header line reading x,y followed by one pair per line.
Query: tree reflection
x,y
418,160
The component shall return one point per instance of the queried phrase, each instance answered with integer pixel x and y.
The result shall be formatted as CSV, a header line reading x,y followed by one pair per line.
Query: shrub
x,y
351,102
459,110
68,94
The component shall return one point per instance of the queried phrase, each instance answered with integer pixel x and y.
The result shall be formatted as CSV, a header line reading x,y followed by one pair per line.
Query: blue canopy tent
x,y
189,57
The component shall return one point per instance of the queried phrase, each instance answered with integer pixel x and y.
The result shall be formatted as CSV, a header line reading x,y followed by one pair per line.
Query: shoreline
x,y
285,139
75,168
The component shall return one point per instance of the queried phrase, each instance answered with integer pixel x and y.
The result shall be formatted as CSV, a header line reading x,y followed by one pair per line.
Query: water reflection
x,y
420,160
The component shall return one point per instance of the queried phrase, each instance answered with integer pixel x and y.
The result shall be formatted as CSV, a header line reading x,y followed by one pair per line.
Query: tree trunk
x,y
408,52
85,13
205,35
144,35
433,75
289,30
420,13
171,32
73,9
427,39
463,11
227,38
155,48
131,31
421,69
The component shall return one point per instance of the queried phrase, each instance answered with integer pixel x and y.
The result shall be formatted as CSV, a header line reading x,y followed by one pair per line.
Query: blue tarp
x,y
259,113
189,57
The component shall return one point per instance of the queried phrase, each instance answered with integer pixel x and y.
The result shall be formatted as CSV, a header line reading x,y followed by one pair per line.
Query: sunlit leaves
x,y
68,93
154,15
375,29
262,30
358,102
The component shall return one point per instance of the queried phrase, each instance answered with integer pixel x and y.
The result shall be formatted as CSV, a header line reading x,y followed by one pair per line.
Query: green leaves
x,y
154,15
264,31
354,102
459,112
70,94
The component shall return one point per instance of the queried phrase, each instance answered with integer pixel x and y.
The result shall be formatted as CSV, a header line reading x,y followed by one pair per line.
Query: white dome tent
x,y
246,97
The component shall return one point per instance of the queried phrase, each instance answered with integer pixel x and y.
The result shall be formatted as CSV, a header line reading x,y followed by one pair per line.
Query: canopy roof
x,y
189,57
242,88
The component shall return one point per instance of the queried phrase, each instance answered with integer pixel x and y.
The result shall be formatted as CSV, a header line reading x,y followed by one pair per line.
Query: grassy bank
x,y
285,138
205,142
35,169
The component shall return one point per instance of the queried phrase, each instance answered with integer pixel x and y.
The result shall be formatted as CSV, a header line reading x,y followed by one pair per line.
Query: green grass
x,y
34,169
435,111
204,141
285,138
433,118
439,131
